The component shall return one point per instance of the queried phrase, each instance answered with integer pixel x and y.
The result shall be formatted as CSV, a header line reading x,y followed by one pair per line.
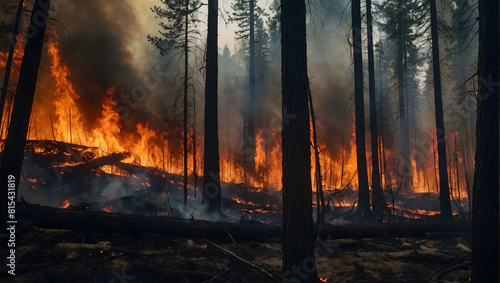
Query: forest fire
x,y
151,148
140,139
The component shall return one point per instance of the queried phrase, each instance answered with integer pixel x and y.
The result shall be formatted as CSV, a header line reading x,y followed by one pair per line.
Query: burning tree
x,y
12,160
178,32
14,41
248,17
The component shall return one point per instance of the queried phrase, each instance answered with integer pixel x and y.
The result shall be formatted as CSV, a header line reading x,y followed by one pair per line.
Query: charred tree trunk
x,y
298,249
211,172
378,202
404,160
251,96
186,102
364,190
12,161
486,185
320,199
444,190
104,222
8,66
387,182
195,169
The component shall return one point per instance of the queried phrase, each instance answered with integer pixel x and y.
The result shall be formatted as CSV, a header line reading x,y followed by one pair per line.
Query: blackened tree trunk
x,y
320,199
12,161
195,169
404,166
211,173
486,186
378,203
298,249
444,190
251,96
359,114
186,25
8,66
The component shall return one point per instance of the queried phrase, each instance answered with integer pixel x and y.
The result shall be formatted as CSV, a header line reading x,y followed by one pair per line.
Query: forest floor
x,y
55,255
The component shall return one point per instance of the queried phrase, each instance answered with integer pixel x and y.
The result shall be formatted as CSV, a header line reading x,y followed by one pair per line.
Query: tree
x,y
486,185
359,109
401,18
462,54
176,36
12,161
8,66
320,199
273,23
378,203
245,13
444,190
211,172
298,249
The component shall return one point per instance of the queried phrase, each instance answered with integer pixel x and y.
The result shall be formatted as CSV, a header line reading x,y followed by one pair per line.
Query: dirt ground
x,y
43,255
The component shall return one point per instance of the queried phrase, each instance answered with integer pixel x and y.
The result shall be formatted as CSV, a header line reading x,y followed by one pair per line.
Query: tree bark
x,y
364,190
186,18
12,161
444,190
105,222
298,249
378,203
10,57
404,166
251,97
320,199
211,172
486,185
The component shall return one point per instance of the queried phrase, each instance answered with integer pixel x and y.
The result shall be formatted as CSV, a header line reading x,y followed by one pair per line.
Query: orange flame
x,y
65,204
107,208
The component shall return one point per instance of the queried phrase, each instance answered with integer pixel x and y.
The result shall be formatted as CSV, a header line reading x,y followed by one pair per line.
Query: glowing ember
x,y
323,279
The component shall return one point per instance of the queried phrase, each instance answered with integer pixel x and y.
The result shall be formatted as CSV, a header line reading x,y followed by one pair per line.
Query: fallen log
x,y
64,248
78,171
104,222
138,169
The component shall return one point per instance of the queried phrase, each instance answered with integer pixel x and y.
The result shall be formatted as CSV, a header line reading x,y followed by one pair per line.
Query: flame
x,y
160,147
65,204
107,208
14,74
323,279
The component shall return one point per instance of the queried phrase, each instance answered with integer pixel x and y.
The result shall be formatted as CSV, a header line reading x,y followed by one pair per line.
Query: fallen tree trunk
x,y
78,171
104,222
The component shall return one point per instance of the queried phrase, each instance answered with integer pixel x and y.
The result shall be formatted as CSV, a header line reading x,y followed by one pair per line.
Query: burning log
x,y
137,169
78,171
128,223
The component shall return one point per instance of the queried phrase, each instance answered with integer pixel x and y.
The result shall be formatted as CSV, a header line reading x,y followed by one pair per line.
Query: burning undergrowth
x,y
94,146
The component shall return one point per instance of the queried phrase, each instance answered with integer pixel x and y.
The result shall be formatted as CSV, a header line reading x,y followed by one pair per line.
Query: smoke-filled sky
x,y
105,44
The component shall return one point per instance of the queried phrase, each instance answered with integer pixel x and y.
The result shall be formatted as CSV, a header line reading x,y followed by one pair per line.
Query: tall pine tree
x,y
247,15
211,169
176,34
298,248
359,109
